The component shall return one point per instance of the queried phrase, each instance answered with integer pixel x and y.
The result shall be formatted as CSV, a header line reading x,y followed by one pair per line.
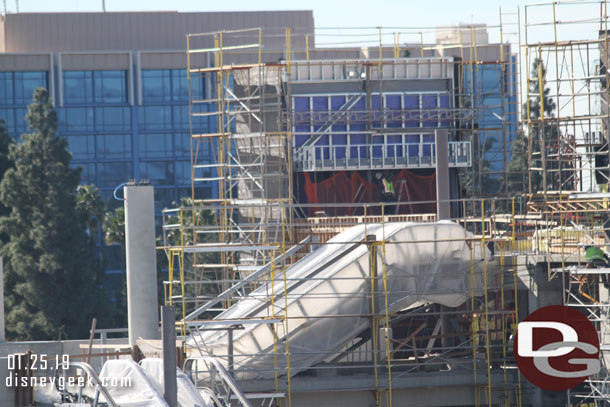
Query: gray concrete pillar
x,y
443,208
142,302
170,385
443,211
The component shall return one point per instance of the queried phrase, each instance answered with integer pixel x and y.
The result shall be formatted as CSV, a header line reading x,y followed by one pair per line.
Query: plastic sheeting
x,y
426,263
141,393
188,396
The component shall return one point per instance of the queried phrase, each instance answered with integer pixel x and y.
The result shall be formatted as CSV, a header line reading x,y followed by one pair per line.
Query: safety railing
x,y
382,156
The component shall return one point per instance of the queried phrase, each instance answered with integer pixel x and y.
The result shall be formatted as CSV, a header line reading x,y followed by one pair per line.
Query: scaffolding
x,y
566,118
258,229
564,112
243,241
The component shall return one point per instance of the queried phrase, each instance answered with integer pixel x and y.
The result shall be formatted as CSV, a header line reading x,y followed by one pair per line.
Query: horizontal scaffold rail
x,y
595,205
378,156
244,282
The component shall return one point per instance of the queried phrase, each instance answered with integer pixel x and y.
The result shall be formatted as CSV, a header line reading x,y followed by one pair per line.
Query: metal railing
x,y
378,156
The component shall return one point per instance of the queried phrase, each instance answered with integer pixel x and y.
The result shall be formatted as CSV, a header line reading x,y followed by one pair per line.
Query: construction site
x,y
306,280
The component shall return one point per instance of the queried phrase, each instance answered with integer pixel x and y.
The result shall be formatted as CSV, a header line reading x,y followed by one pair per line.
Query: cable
x,y
115,191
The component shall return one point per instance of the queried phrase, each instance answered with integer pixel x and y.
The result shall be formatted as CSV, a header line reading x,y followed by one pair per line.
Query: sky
x,y
353,22
327,13
418,15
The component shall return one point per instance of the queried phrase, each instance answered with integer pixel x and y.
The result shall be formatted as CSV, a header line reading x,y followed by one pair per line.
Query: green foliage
x,y
53,276
192,218
189,218
517,167
90,208
476,180
540,138
5,142
5,163
113,227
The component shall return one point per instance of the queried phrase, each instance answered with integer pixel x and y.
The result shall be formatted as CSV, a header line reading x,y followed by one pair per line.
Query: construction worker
x,y
596,259
387,193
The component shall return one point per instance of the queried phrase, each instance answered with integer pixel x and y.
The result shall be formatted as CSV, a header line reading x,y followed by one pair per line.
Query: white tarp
x,y
188,396
329,294
140,393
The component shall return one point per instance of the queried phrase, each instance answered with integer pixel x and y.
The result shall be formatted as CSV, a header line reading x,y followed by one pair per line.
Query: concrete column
x,y
142,302
443,208
443,211
170,384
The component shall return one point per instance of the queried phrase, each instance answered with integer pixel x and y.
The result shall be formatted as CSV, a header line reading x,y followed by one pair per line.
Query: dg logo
x,y
557,348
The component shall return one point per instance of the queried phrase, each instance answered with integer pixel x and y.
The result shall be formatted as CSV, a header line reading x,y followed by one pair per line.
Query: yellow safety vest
x,y
388,188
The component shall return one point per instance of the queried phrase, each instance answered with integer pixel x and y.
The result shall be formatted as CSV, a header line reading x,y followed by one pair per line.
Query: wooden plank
x,y
91,337
105,346
410,337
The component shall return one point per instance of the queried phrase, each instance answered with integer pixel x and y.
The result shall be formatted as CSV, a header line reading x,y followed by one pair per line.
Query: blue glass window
x,y
14,120
183,172
82,147
164,198
393,102
429,102
156,145
112,119
411,105
336,103
302,124
18,87
443,102
167,85
78,119
95,87
158,172
200,123
181,117
110,86
180,85
26,83
8,117
182,146
78,87
185,193
376,108
21,124
155,118
156,85
6,88
413,144
113,173
113,145
87,175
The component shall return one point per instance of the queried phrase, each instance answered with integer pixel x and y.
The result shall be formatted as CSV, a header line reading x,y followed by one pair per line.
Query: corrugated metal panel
x,y
30,62
162,60
2,45
94,61
31,32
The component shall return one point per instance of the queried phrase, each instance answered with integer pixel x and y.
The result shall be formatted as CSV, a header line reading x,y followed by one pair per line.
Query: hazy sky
x,y
326,12
410,15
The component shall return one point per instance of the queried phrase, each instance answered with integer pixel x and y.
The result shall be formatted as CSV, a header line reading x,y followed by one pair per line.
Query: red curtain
x,y
352,187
